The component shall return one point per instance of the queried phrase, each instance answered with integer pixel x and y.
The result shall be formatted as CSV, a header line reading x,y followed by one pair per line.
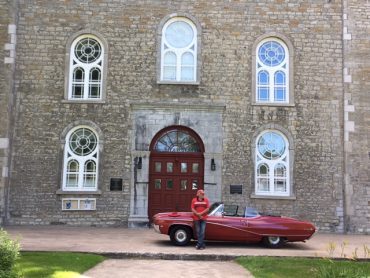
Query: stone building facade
x,y
297,145
356,87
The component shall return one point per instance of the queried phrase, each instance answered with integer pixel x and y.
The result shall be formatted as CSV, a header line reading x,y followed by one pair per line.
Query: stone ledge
x,y
61,192
273,104
193,83
71,101
253,196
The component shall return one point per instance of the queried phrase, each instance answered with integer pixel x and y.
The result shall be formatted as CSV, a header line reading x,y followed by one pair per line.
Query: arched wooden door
x,y
176,170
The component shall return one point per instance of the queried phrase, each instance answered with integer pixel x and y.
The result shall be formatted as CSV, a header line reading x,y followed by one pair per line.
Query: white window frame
x,y
179,52
87,67
69,155
284,159
272,70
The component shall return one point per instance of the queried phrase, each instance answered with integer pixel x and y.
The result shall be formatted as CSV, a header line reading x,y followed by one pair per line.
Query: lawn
x,y
55,264
71,265
270,267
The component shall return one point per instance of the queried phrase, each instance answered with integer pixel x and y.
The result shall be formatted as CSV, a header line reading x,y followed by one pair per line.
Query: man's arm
x,y
204,211
193,209
207,209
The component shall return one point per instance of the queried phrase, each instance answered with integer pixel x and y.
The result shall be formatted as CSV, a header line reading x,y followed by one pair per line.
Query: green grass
x,y
55,264
270,267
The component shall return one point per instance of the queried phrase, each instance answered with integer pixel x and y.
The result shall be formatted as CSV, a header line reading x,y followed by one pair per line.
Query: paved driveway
x,y
145,243
166,269
144,253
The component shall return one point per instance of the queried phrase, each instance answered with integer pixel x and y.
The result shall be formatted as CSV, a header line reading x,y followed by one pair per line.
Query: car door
x,y
228,228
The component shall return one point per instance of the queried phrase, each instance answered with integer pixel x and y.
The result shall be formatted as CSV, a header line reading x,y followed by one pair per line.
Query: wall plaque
x,y
115,184
236,189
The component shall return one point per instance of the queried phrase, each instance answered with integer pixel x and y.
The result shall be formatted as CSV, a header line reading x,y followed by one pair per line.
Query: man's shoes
x,y
197,247
202,248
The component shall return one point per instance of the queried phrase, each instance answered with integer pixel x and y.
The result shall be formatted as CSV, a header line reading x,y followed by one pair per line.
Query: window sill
x,y
163,82
273,197
273,104
80,192
80,101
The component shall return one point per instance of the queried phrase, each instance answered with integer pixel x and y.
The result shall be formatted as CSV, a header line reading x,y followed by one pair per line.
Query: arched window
x,y
272,164
272,71
86,68
179,51
81,160
177,141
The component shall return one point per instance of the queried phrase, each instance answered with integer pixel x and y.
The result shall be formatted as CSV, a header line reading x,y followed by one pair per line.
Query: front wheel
x,y
180,236
273,241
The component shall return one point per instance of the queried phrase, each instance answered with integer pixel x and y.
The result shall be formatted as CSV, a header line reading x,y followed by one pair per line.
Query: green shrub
x,y
9,253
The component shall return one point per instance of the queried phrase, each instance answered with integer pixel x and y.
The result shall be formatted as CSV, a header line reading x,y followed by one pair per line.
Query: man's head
x,y
200,193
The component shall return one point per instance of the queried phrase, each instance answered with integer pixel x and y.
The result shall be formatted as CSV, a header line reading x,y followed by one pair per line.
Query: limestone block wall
x,y
229,31
357,114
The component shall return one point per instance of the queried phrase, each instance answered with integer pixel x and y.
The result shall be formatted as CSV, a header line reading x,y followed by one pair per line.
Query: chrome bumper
x,y
156,228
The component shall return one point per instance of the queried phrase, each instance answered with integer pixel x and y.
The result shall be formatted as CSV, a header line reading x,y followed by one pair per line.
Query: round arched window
x,y
86,68
179,50
179,34
81,157
82,141
177,141
272,164
271,145
88,50
271,53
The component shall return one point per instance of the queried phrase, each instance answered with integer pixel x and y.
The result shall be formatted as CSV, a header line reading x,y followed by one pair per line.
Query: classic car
x,y
225,223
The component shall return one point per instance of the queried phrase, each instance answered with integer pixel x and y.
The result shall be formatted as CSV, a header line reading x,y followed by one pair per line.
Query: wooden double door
x,y
174,179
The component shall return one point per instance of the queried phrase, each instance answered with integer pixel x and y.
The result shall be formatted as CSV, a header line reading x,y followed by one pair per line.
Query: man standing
x,y
200,208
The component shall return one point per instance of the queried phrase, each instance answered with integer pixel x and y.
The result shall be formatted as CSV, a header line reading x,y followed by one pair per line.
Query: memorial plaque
x,y
115,184
236,189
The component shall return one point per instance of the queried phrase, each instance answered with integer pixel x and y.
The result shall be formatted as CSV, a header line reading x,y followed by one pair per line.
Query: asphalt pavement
x,y
145,253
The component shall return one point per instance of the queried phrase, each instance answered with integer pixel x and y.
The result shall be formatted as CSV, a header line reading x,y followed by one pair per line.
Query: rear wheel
x,y
180,235
273,241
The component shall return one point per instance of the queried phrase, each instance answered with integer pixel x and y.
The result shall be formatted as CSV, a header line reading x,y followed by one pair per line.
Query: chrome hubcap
x,y
274,239
180,235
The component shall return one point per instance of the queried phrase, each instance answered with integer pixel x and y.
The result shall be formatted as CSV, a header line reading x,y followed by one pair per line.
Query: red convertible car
x,y
225,224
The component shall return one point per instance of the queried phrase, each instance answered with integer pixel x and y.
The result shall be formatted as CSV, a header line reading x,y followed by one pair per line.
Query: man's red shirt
x,y
199,207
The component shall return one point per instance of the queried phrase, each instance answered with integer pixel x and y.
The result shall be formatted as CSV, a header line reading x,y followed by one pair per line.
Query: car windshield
x,y
221,209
